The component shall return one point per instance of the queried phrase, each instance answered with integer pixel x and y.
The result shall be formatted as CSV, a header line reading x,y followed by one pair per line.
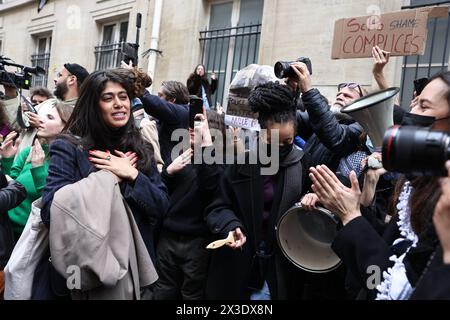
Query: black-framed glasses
x,y
351,85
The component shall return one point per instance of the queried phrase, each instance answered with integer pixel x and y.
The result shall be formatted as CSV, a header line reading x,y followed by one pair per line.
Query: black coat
x,y
195,83
190,190
239,203
435,284
361,247
171,116
327,139
11,195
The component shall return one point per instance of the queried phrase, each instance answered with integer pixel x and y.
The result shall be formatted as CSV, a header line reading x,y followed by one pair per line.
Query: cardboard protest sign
x,y
243,83
402,33
238,106
240,122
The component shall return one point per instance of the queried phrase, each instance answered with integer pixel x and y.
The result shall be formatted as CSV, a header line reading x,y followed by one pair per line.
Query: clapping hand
x,y
343,201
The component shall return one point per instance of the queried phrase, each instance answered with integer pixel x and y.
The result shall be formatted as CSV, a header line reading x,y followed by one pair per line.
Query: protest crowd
x,y
108,191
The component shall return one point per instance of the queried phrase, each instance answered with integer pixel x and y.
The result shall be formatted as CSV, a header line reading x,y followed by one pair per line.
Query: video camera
x,y
129,51
283,69
20,79
416,151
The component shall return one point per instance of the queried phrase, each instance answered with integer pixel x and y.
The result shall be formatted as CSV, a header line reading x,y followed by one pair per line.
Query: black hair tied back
x,y
274,102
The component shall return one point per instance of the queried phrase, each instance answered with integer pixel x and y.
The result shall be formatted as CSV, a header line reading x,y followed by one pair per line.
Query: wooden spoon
x,y
220,243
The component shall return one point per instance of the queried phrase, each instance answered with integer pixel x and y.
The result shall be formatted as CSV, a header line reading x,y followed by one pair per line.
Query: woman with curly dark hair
x,y
250,204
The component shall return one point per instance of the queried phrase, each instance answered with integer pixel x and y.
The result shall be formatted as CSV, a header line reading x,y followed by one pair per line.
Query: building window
x,y
436,55
41,58
108,53
231,42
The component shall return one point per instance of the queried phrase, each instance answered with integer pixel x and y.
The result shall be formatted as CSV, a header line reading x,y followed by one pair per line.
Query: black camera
x,y
129,51
20,79
416,151
283,69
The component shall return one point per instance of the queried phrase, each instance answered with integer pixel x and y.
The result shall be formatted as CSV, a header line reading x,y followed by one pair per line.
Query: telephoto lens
x,y
282,69
416,151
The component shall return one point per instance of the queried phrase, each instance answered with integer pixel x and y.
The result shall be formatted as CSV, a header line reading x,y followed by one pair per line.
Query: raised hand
x,y
35,120
128,65
202,135
381,59
371,178
8,148
37,155
303,76
180,162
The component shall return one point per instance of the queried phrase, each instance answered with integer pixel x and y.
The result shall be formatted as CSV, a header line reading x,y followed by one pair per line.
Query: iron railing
x,y
108,56
41,60
235,46
417,65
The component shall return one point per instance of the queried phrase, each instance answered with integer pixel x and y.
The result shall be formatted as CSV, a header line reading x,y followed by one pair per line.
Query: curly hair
x,y
41,91
140,79
273,102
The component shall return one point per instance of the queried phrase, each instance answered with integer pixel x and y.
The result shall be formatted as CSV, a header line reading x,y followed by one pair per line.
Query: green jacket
x,y
33,179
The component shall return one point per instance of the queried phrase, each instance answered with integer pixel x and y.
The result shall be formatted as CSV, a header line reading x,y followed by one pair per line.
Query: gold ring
x,y
108,158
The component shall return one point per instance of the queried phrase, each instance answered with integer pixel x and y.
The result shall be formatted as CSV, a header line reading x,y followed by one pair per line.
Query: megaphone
x,y
375,113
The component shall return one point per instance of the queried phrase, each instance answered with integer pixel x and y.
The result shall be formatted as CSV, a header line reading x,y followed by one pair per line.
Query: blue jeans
x,y
263,294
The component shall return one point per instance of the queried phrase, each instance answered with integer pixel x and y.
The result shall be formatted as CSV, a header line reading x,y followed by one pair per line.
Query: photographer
x,y
198,85
334,135
409,240
10,103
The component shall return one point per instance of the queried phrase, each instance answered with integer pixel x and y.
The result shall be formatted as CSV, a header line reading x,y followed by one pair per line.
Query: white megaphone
x,y
375,113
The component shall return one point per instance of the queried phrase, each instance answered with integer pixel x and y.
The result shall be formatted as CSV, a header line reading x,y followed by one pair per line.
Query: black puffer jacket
x,y
11,195
327,139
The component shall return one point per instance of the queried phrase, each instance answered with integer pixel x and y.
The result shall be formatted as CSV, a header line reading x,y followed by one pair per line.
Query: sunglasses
x,y
351,85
